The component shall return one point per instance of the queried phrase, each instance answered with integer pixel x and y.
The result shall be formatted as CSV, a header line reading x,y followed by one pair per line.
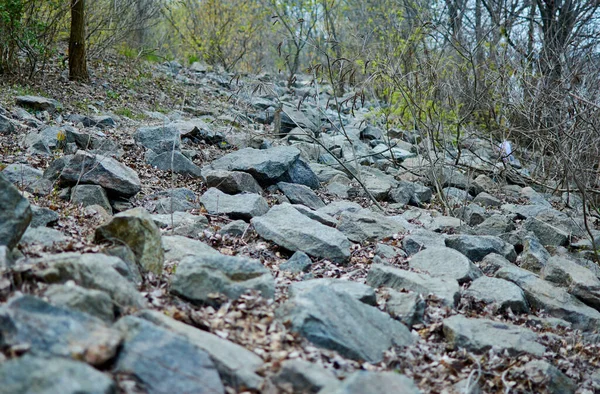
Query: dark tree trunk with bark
x,y
77,58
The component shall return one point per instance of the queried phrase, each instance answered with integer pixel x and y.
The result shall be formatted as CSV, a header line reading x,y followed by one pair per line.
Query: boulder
x,y
446,263
87,195
15,213
300,194
137,230
38,103
240,206
288,228
176,162
499,292
577,280
231,182
159,139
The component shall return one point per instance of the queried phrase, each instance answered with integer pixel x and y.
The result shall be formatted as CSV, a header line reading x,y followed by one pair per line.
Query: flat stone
x,y
95,302
15,213
480,335
446,263
290,229
335,320
137,230
231,182
358,291
52,375
115,177
200,278
476,247
555,301
237,366
38,103
241,206
66,333
446,290
300,194
164,362
373,383
366,225
500,292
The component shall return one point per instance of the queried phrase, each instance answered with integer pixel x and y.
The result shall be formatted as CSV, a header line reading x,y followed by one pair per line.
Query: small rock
x,y
409,308
231,182
87,195
15,213
445,263
237,228
366,225
299,262
501,292
241,206
303,377
477,247
300,194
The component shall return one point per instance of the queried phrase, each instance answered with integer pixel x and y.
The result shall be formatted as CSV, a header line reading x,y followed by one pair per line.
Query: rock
x,y
6,125
408,308
129,269
418,240
358,291
177,247
93,271
325,173
555,301
160,139
42,236
548,378
578,281
410,193
500,292
374,383
52,375
451,177
534,255
291,117
87,195
241,206
65,333
300,173
299,376
480,335
299,262
477,247
176,162
164,362
137,230
181,223
288,228
231,182
47,141
300,194
487,200
335,320
483,183
317,215
95,302
445,263
38,103
496,225
377,182
174,200
335,208
42,216
367,225
444,224
266,166
200,278
456,196
472,214
15,213
445,289
387,251
547,233
23,176
86,168
236,365
237,228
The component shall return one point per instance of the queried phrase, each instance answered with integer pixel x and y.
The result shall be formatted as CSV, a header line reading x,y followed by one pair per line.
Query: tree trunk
x,y
77,59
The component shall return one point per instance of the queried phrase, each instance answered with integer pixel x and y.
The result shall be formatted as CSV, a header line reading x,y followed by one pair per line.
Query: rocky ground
x,y
176,230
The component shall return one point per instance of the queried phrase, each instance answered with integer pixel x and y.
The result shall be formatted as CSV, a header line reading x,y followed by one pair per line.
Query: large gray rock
x,y
23,176
555,301
240,206
15,213
95,302
373,383
93,271
446,290
476,247
42,236
335,320
266,166
367,225
231,182
137,230
164,362
176,247
358,291
547,233
236,365
445,263
409,308
410,193
548,378
159,139
87,168
500,292
290,229
418,240
173,200
577,280
300,194
534,255
38,103
176,162
42,217
52,375
87,195
299,262
480,335
199,278
6,125
301,376
50,330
